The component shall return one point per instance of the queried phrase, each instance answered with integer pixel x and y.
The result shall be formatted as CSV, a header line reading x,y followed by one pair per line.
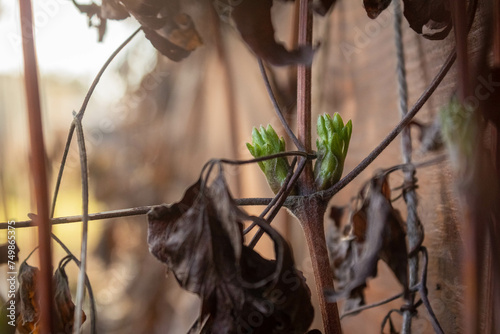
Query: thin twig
x,y
80,290
275,199
277,108
367,307
38,167
388,318
142,210
80,115
281,201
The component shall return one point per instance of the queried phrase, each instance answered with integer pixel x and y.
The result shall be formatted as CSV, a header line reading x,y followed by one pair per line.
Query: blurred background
x,y
152,124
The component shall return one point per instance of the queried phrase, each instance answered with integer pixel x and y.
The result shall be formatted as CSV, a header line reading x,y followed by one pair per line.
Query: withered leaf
x,y
64,309
375,7
92,10
28,306
253,21
166,47
200,240
376,233
432,19
344,252
169,30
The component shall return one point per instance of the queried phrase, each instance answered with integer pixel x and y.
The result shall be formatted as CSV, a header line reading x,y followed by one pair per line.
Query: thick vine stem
x,y
311,216
306,185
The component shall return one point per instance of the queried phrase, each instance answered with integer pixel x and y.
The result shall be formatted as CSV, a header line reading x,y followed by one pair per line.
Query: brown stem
x,y
304,95
311,213
39,170
311,216
471,252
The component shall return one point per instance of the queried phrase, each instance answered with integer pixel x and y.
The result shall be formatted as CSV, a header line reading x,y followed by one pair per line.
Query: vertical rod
x,y
470,270
304,94
38,167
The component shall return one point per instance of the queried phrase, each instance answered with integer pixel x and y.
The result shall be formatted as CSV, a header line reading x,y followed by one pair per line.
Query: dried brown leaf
x,y
375,7
377,232
170,31
253,21
28,306
432,19
64,309
200,240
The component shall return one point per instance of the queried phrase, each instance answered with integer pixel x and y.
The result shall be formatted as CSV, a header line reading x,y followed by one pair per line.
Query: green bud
x,y
266,142
332,144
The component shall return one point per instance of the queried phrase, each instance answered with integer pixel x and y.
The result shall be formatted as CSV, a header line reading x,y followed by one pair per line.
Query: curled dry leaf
x,y
28,311
375,232
200,240
27,322
64,309
375,7
169,30
431,19
253,21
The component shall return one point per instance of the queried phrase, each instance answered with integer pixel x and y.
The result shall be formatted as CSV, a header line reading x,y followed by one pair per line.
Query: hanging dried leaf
x,y
170,31
253,21
376,232
375,7
27,322
344,252
29,310
200,240
64,309
432,19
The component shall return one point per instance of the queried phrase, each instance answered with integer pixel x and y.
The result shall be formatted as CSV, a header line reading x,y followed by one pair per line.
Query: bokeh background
x,y
152,124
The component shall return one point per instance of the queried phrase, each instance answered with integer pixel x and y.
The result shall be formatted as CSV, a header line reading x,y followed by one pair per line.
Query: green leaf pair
x,y
266,142
332,145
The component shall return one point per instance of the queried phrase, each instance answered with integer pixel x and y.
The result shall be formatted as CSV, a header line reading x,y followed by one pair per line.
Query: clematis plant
x,y
266,142
332,144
